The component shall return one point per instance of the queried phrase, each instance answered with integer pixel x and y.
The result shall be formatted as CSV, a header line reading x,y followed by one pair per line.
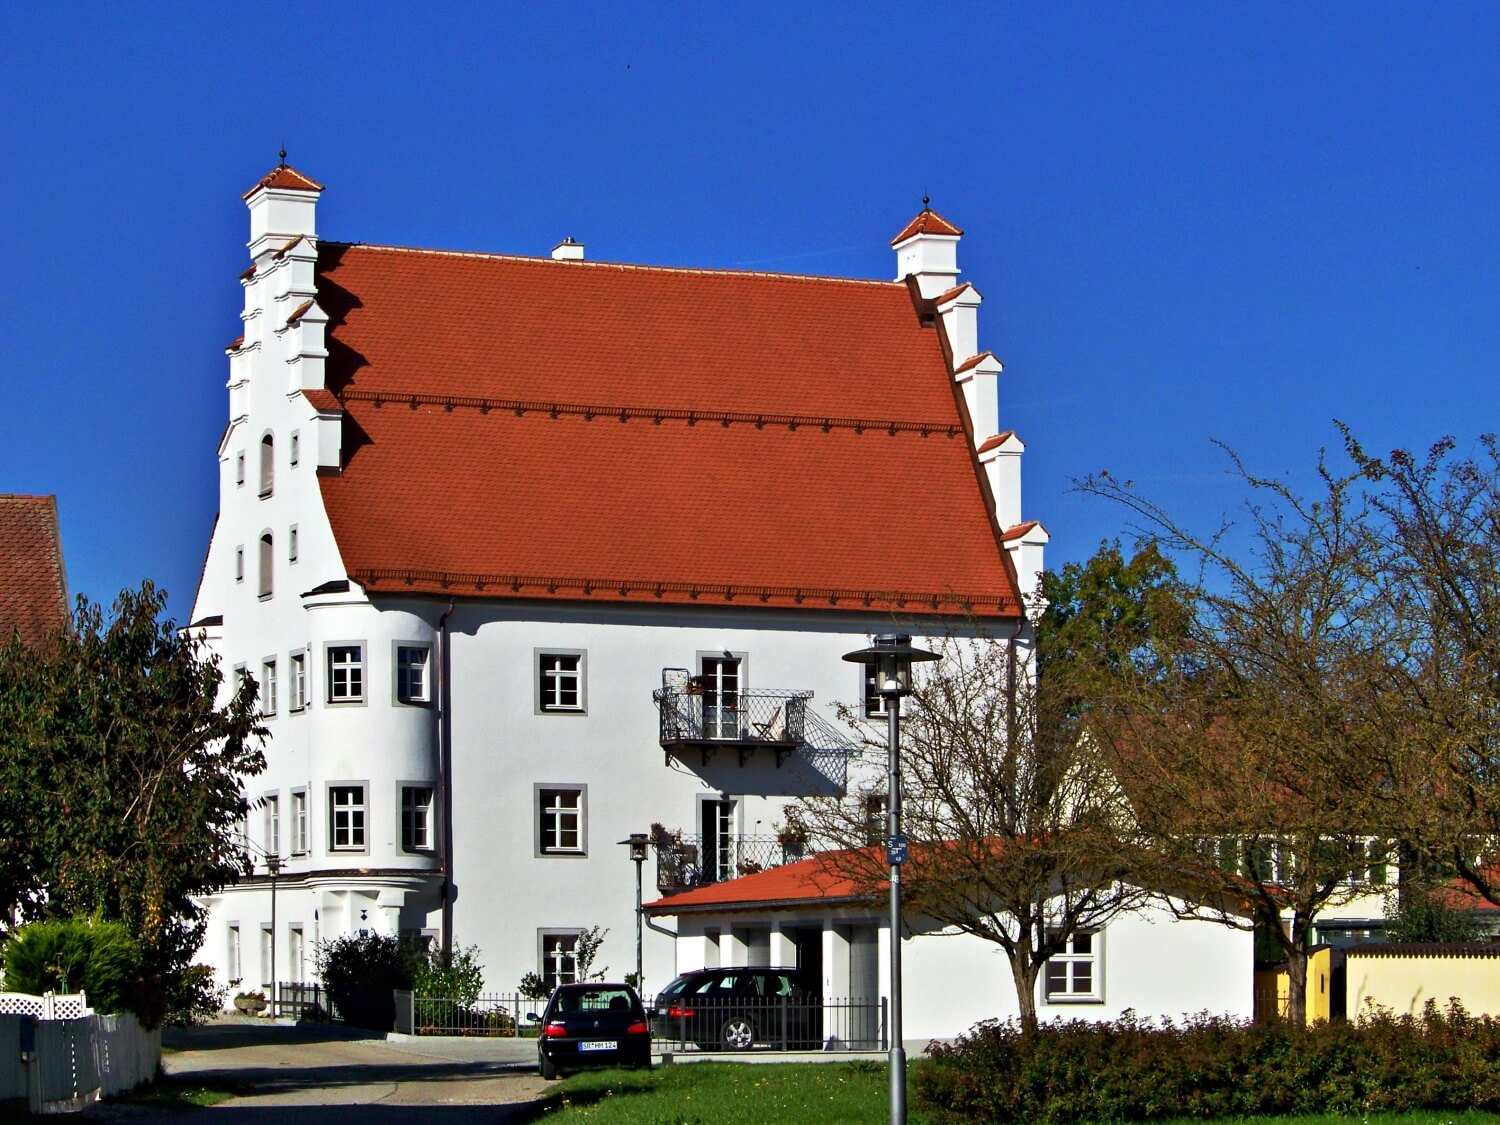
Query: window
x,y
237,684
267,464
560,681
560,820
239,564
413,681
291,544
232,956
267,560
1073,975
268,687
875,821
265,956
298,685
416,818
874,702
346,673
273,824
346,818
296,450
299,821
721,696
239,468
294,954
559,958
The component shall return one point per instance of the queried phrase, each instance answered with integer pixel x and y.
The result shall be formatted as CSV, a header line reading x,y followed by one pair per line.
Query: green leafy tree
x,y
120,781
1428,914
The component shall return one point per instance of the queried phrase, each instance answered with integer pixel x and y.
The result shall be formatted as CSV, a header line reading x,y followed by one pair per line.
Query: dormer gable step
x,y
1031,530
235,345
322,400
286,177
249,273
956,292
282,252
302,311
928,222
974,361
999,441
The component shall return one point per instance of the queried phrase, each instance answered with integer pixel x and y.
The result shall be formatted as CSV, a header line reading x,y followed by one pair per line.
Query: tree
x,y
120,781
1263,750
1019,834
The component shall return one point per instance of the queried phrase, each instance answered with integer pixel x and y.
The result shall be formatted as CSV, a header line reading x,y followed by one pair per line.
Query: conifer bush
x,y
73,955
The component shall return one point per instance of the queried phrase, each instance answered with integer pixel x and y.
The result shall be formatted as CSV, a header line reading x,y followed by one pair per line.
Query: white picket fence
x,y
70,1056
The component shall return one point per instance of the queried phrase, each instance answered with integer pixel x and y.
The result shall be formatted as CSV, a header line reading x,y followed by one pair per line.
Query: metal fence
x,y
777,1023
491,1015
304,1002
687,860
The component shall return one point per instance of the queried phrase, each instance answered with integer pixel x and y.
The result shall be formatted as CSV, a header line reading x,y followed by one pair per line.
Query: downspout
x,y
445,776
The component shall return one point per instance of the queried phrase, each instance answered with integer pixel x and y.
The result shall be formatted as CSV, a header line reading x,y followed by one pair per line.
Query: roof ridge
x,y
633,266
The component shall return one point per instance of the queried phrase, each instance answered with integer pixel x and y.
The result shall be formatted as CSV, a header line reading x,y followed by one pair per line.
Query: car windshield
x,y
602,999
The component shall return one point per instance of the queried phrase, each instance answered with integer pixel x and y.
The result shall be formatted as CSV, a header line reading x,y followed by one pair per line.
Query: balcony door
x,y
718,840
721,697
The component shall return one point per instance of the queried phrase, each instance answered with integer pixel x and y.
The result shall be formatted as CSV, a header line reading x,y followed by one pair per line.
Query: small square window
x,y
413,674
268,687
1072,976
346,673
560,820
346,818
298,682
416,818
560,682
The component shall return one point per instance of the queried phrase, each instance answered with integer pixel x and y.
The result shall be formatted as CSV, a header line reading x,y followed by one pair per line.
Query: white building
x,y
476,508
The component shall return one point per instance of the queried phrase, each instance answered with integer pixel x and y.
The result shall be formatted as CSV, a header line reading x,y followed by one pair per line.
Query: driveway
x,y
332,1076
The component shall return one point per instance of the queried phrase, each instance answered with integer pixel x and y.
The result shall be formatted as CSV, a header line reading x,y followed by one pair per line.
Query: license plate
x,y
597,1045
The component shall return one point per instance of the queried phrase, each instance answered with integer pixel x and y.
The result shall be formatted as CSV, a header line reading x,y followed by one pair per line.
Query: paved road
x,y
327,1076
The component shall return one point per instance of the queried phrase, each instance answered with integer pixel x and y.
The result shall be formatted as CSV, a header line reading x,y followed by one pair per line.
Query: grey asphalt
x,y
329,1076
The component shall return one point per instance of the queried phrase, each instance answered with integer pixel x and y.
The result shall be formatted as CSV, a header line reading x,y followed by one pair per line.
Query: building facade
x,y
529,554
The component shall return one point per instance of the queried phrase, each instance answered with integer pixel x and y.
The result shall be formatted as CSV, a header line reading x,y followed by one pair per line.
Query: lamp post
x,y
889,660
637,842
273,868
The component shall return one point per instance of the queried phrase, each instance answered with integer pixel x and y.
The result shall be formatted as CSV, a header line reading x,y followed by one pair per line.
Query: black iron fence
x,y
697,717
304,1002
684,860
775,1023
491,1015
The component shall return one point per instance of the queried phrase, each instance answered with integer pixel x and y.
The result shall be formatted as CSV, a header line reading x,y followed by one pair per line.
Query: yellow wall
x,y
1319,980
1405,984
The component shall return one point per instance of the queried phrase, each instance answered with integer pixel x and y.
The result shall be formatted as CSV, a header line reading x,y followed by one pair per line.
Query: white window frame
x,y
233,955
547,955
268,686
296,951
267,953
1068,961
299,838
358,818
549,681
357,666
400,688
427,809
296,680
551,816
273,823
872,705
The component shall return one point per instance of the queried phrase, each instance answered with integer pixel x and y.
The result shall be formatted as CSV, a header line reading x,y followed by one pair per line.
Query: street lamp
x,y
889,660
273,868
637,842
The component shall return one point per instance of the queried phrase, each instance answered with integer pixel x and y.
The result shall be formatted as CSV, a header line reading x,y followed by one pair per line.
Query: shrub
x,y
100,958
361,971
1134,1070
456,975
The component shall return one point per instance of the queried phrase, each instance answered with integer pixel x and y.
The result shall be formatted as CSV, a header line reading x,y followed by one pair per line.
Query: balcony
x,y
684,861
747,721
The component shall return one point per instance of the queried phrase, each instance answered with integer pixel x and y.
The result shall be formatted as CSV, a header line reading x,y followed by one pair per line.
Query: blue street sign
x,y
895,850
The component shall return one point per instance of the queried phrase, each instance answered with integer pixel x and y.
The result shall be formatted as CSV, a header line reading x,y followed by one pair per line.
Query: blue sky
x,y
1189,222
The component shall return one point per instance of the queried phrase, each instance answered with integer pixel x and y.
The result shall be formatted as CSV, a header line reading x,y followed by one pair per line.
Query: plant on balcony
x,y
793,835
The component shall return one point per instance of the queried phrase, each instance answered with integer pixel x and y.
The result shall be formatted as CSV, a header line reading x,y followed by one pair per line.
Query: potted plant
x,y
250,1003
793,835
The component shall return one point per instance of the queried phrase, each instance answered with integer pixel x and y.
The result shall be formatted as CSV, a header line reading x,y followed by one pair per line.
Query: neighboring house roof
x,y
808,882
33,585
524,427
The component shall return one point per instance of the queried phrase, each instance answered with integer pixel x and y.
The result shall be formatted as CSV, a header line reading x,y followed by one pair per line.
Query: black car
x,y
737,1009
592,1025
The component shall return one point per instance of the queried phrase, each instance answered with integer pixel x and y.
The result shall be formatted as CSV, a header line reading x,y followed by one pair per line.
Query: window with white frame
x,y
560,820
413,674
266,940
346,818
416,818
297,681
874,703
268,687
299,821
237,683
1072,976
559,957
346,673
294,954
560,683
267,565
273,824
232,956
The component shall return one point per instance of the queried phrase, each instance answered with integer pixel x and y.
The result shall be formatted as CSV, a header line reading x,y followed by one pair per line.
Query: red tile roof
x,y
284,176
299,311
235,344
927,222
949,294
33,586
323,401
997,440
1019,530
528,428
808,882
973,361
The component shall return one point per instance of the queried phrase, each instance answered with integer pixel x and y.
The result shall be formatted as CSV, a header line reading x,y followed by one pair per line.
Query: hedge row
x,y
1135,1070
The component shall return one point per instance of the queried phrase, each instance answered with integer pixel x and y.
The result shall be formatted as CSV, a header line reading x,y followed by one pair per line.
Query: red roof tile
x,y
927,222
808,882
298,312
998,440
948,295
284,176
325,402
33,586
1020,530
973,361
737,420
235,344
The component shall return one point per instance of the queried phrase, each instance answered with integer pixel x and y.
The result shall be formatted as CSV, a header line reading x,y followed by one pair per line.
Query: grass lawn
x,y
176,1093
804,1094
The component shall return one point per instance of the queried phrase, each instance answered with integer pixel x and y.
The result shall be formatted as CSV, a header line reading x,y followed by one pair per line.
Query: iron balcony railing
x,y
684,861
745,720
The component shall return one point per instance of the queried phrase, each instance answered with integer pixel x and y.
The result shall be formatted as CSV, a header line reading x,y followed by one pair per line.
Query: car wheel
x,y
547,1067
738,1034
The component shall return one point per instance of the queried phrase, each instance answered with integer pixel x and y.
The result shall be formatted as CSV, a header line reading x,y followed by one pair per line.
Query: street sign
x,y
895,850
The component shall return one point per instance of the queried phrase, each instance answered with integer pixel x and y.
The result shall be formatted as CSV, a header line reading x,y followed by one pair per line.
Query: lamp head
x,y
890,659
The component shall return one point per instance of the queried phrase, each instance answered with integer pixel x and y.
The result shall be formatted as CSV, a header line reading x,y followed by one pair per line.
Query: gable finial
x,y
283,157
926,199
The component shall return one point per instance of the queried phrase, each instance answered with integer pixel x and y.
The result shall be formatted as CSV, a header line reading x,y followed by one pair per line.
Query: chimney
x,y
927,248
568,251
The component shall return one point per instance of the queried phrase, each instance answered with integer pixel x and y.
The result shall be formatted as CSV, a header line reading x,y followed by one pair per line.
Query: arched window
x,y
267,464
267,558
